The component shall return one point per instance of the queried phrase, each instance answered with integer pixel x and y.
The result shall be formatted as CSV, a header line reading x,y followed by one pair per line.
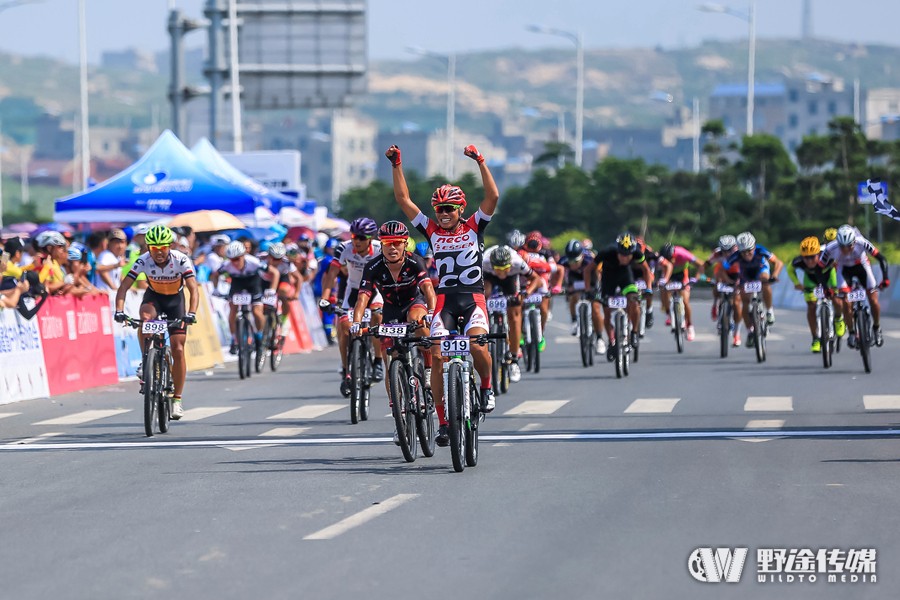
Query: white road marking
x,y
652,405
881,402
501,445
204,412
769,404
310,411
765,424
536,407
754,440
361,517
38,438
531,427
891,334
284,431
565,339
84,417
5,415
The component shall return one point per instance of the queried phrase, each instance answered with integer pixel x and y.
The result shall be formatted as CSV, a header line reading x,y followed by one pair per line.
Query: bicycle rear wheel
x,y
472,424
163,410
152,383
456,427
584,335
357,370
678,321
863,333
724,328
534,318
403,409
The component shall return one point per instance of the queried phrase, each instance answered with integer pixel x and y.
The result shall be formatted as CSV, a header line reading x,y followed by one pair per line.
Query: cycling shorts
x,y
755,271
391,313
862,272
620,279
251,285
469,307
172,306
350,297
810,285
509,287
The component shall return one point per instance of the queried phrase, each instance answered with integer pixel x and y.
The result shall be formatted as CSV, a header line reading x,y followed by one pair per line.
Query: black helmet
x,y
501,257
625,243
574,250
667,251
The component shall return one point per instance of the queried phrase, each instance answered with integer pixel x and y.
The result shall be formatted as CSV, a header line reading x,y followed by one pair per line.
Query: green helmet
x,y
159,235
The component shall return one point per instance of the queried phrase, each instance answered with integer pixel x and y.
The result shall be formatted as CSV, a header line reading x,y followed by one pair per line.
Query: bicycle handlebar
x,y
170,323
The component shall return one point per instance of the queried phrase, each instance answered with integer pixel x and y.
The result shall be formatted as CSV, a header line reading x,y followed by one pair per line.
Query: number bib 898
x,y
154,327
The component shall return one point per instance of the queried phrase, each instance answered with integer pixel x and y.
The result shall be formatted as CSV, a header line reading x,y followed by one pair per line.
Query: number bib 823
x,y
617,302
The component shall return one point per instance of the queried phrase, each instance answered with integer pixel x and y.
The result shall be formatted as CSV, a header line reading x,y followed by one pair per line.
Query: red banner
x,y
298,320
79,348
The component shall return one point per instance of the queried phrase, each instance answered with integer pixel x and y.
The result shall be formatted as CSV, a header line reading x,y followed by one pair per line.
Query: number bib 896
x,y
496,304
455,346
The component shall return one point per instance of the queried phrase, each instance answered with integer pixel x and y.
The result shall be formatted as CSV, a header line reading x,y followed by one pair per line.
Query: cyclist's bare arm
x,y
491,193
401,190
779,265
362,301
428,291
274,278
668,267
534,282
194,290
648,274
329,278
120,293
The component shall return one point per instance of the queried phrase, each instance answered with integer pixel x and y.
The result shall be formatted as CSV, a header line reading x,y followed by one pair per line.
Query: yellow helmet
x,y
830,234
810,246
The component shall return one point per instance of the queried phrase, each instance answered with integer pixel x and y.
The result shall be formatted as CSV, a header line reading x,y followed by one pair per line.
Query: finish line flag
x,y
875,192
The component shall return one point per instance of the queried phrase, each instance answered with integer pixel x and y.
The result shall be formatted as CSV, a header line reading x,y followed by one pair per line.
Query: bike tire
x,y
355,379
163,409
471,427
677,321
241,336
584,336
151,384
455,417
265,348
825,340
526,342
862,340
496,357
759,335
620,343
277,349
425,414
724,329
535,321
403,409
367,379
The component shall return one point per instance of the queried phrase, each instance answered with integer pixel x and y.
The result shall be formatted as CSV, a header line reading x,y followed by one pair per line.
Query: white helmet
x,y
50,238
746,241
235,250
277,250
846,235
727,242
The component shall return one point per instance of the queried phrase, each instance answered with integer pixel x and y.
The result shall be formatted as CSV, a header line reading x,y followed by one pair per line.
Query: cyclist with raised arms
x,y
458,247
753,264
675,261
504,270
818,270
581,277
245,272
850,252
402,280
350,261
168,272
615,266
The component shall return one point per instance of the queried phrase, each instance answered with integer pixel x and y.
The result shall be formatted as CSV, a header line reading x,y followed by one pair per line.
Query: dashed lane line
x,y
361,517
6,415
881,402
84,417
769,404
205,412
310,411
652,405
536,407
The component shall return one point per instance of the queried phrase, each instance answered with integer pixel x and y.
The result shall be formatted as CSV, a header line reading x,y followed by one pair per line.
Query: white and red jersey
x,y
168,278
354,262
457,253
859,255
539,264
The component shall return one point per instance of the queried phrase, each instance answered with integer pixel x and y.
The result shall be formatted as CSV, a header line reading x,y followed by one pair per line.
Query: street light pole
x,y
451,103
85,134
696,132
576,38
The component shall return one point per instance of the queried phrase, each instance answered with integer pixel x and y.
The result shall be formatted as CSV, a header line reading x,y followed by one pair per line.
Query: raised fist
x,y
393,155
472,152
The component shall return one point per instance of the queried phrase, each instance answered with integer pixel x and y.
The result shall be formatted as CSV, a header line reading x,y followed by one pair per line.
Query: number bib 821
x,y
455,346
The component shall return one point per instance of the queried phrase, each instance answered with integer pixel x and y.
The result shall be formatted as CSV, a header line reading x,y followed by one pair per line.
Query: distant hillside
x,y
490,85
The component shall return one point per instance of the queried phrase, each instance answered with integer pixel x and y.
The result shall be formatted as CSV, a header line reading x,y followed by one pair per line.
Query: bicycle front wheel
x,y
619,331
403,409
534,318
471,425
262,355
724,328
825,337
584,335
152,384
455,393
164,406
760,339
678,321
366,369
425,410
863,333
357,371
277,348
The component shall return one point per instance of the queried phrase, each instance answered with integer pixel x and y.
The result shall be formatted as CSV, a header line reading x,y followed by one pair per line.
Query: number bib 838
x,y
154,327
496,304
455,346
392,331
617,302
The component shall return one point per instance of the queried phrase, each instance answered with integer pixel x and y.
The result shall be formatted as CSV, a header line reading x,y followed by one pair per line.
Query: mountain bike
x,y
361,355
676,312
825,325
531,331
272,345
245,332
757,318
641,285
725,320
621,333
496,306
157,385
412,404
463,396
585,326
862,323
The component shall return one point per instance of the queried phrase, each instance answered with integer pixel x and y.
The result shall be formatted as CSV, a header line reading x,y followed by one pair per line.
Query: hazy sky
x,y
49,27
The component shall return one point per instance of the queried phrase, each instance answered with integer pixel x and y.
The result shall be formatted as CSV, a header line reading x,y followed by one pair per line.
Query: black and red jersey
x,y
398,292
457,253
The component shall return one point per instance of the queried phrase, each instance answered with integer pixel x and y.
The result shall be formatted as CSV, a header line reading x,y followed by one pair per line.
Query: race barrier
x,y
202,349
23,375
785,296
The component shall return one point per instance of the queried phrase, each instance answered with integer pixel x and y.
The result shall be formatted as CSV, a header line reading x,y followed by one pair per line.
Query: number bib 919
x,y
497,304
617,302
856,295
455,346
752,287
154,327
242,299
392,331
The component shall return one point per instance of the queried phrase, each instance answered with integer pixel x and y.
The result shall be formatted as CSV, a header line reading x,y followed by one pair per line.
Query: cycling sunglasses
x,y
445,208
361,238
159,248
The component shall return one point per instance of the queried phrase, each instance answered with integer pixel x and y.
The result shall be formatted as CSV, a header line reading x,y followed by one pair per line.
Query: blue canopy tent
x,y
214,162
167,180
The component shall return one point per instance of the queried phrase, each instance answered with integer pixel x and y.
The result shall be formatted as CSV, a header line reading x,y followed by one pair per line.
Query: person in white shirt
x,y
111,261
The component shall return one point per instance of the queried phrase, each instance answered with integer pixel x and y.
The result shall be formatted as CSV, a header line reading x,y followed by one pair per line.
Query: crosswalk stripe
x,y
765,424
84,417
310,411
5,415
881,402
205,412
565,339
652,405
531,427
536,407
769,404
284,432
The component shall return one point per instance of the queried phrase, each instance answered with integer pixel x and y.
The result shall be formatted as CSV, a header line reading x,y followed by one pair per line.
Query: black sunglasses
x,y
445,208
361,238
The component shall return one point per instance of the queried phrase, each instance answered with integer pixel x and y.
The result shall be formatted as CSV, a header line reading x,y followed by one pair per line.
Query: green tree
x,y
764,161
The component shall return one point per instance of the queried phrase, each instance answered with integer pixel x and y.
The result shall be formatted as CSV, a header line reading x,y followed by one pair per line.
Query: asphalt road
x,y
586,487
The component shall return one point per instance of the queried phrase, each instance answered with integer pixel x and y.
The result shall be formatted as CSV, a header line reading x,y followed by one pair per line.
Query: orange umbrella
x,y
207,220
